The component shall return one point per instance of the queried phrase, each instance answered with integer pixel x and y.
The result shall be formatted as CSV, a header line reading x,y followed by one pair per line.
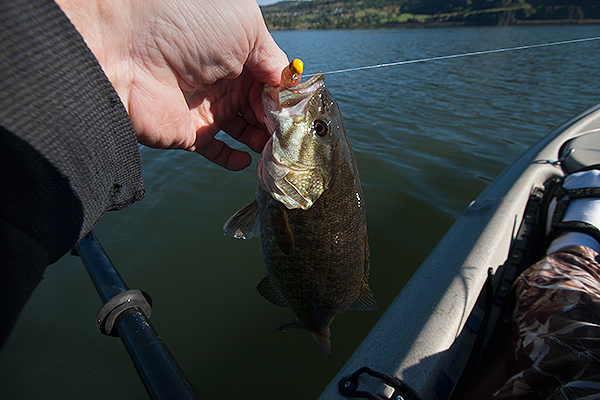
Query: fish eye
x,y
321,127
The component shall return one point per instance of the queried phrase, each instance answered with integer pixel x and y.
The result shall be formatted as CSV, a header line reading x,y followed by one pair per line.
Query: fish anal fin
x,y
267,289
244,223
365,301
281,228
292,325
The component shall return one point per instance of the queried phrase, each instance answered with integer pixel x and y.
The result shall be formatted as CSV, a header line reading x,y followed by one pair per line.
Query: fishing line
x,y
474,53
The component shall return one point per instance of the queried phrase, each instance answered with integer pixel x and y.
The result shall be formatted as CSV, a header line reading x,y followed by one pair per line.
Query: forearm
x,y
106,28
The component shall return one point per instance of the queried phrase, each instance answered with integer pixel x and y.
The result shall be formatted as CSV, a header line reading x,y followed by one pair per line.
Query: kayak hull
x,y
411,341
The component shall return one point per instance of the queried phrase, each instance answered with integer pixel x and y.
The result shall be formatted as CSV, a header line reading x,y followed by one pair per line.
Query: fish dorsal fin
x,y
367,261
365,301
267,289
244,223
281,227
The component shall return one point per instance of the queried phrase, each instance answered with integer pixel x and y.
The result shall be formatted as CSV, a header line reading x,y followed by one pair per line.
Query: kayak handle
x,y
348,387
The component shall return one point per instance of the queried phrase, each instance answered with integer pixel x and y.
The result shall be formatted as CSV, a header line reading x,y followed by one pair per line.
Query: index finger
x,y
253,136
221,154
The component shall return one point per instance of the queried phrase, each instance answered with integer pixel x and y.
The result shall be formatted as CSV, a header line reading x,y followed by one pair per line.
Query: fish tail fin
x,y
323,340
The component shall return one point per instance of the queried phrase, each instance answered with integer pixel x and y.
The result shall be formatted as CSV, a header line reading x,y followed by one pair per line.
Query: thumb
x,y
266,60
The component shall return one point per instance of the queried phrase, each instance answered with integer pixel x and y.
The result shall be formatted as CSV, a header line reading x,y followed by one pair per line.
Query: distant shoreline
x,y
448,24
558,22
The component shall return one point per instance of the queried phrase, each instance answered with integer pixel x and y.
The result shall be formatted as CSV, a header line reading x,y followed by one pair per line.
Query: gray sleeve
x,y
68,150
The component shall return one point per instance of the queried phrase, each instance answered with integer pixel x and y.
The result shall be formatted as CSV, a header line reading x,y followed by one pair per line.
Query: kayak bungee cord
x,y
474,53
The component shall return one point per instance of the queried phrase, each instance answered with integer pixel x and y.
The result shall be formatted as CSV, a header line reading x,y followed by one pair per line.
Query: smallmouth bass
x,y
309,211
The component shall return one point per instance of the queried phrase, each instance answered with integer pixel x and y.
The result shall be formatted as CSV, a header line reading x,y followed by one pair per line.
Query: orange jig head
x,y
290,76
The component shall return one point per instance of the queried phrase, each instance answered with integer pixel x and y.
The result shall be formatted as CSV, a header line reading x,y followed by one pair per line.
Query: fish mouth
x,y
282,102
292,96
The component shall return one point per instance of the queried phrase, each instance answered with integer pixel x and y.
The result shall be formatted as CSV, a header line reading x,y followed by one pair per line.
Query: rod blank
x,y
158,370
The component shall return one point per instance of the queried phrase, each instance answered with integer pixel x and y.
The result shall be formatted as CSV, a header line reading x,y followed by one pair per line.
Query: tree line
x,y
370,14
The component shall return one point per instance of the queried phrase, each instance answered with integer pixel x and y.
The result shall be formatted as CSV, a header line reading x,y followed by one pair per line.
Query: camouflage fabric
x,y
556,333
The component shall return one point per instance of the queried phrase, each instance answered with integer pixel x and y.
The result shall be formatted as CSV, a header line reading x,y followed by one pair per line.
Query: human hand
x,y
185,69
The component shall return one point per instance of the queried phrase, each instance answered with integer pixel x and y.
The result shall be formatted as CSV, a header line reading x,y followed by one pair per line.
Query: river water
x,y
428,138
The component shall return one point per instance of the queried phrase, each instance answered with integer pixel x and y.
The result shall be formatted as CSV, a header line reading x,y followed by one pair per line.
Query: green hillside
x,y
368,14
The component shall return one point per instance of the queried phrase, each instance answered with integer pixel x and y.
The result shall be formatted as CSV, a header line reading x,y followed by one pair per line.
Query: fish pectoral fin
x,y
267,289
281,228
244,223
365,301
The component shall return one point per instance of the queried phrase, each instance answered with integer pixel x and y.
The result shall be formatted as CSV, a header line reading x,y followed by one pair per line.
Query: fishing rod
x,y
126,314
